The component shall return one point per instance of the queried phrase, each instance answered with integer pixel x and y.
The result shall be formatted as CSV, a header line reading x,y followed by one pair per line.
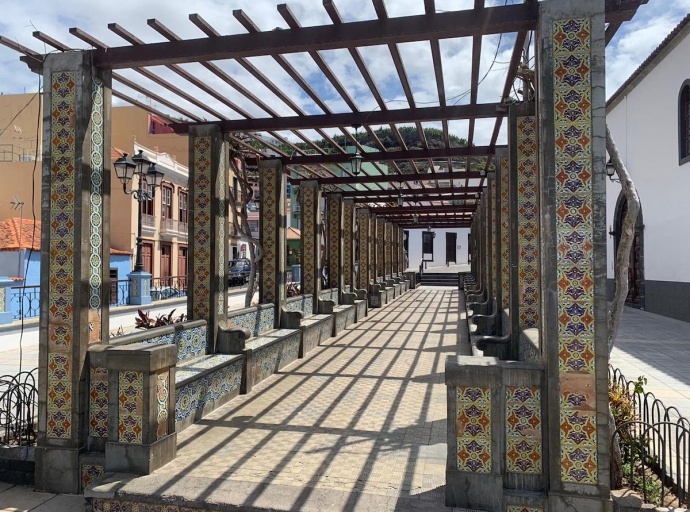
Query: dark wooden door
x,y
428,245
147,257
166,264
113,286
182,266
451,248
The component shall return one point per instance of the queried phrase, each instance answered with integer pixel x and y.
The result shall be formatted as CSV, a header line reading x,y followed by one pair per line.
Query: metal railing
x,y
119,292
148,221
19,409
656,441
25,301
172,287
173,227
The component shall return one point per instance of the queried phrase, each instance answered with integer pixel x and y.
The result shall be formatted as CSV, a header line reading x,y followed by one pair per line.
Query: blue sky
x,y
634,42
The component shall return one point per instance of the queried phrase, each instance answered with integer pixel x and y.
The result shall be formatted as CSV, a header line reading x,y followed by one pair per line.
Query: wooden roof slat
x,y
410,154
468,192
474,80
293,23
394,178
254,30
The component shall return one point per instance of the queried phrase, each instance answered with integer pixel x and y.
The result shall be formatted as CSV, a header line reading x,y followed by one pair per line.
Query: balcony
x,y
148,223
172,227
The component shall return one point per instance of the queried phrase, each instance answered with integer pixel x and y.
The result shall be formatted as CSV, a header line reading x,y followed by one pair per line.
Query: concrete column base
x,y
57,469
143,459
139,288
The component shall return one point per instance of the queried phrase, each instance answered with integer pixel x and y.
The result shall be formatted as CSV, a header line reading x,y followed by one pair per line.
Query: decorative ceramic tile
x,y
197,394
334,205
59,396
91,473
162,398
190,342
130,407
96,200
348,212
380,249
308,305
363,249
494,252
522,508
220,241
373,273
473,429
115,505
309,270
269,232
395,252
505,231
61,248
290,349
257,321
523,430
98,402
574,239
528,221
203,192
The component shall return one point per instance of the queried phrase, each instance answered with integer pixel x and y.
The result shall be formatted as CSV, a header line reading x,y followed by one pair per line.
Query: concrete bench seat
x,y
299,314
359,299
250,332
203,384
345,314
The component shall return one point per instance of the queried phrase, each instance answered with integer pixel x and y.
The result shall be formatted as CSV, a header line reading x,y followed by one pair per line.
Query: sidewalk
x,y
657,348
15,346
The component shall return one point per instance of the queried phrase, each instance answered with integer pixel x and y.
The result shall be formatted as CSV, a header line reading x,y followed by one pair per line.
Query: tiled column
x,y
311,240
74,261
504,232
491,233
394,249
401,250
364,245
388,250
524,209
571,122
373,250
380,247
208,238
272,266
334,209
348,243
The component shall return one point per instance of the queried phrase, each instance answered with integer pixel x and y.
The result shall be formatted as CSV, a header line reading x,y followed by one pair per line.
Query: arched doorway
x,y
635,296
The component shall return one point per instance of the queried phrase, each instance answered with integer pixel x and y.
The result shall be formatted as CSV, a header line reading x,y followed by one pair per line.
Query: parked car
x,y
238,272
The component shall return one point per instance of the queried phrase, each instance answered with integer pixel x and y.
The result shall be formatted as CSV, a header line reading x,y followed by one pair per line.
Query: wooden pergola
x,y
420,189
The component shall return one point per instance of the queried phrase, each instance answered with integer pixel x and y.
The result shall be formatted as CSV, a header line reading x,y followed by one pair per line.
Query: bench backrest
x,y
190,337
303,303
330,294
256,319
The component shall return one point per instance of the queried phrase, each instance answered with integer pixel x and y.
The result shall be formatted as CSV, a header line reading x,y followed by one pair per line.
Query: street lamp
x,y
356,158
125,169
611,171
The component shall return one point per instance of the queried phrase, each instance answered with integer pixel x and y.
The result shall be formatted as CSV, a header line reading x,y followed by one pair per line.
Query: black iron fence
x,y
25,301
655,446
163,288
119,292
19,409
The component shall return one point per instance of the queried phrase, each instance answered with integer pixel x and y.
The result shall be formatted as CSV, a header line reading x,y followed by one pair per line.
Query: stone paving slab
x,y
359,425
658,348
17,498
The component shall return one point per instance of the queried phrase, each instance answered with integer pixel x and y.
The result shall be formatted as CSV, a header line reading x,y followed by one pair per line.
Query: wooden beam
x,y
415,199
395,116
491,20
382,156
463,192
395,178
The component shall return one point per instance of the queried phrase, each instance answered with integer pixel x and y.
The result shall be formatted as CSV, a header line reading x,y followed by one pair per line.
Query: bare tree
x,y
622,265
239,215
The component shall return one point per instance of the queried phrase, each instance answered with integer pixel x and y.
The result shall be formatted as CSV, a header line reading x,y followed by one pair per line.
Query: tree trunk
x,y
621,281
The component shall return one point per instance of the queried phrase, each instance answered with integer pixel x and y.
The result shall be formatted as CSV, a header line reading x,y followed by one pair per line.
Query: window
x,y
183,207
253,225
147,205
684,123
166,201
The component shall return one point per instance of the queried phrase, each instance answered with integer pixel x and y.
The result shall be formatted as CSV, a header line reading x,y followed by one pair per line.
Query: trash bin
x,y
296,273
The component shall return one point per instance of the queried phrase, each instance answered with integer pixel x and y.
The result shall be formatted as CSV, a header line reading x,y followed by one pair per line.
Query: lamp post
x,y
125,169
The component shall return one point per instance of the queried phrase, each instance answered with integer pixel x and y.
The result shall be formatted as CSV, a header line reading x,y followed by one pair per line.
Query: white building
x,y
649,118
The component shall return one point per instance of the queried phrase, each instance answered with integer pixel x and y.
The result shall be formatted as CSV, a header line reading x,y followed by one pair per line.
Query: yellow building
x,y
164,222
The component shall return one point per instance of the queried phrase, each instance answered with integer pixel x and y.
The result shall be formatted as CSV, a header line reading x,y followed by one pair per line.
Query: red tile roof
x,y
116,153
31,239
293,234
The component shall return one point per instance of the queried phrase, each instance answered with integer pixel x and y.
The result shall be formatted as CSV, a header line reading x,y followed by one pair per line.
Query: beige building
x,y
164,221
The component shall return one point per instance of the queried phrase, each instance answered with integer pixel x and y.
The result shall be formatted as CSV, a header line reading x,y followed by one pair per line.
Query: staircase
x,y
440,279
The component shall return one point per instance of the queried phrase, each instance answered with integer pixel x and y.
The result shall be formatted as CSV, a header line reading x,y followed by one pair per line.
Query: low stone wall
x,y
17,465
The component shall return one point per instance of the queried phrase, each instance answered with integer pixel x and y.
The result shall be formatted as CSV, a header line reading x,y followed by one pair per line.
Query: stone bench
x,y
204,381
345,314
298,313
359,299
251,333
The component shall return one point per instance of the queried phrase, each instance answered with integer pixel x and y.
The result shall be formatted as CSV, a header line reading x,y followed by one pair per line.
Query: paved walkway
x,y
358,425
658,348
